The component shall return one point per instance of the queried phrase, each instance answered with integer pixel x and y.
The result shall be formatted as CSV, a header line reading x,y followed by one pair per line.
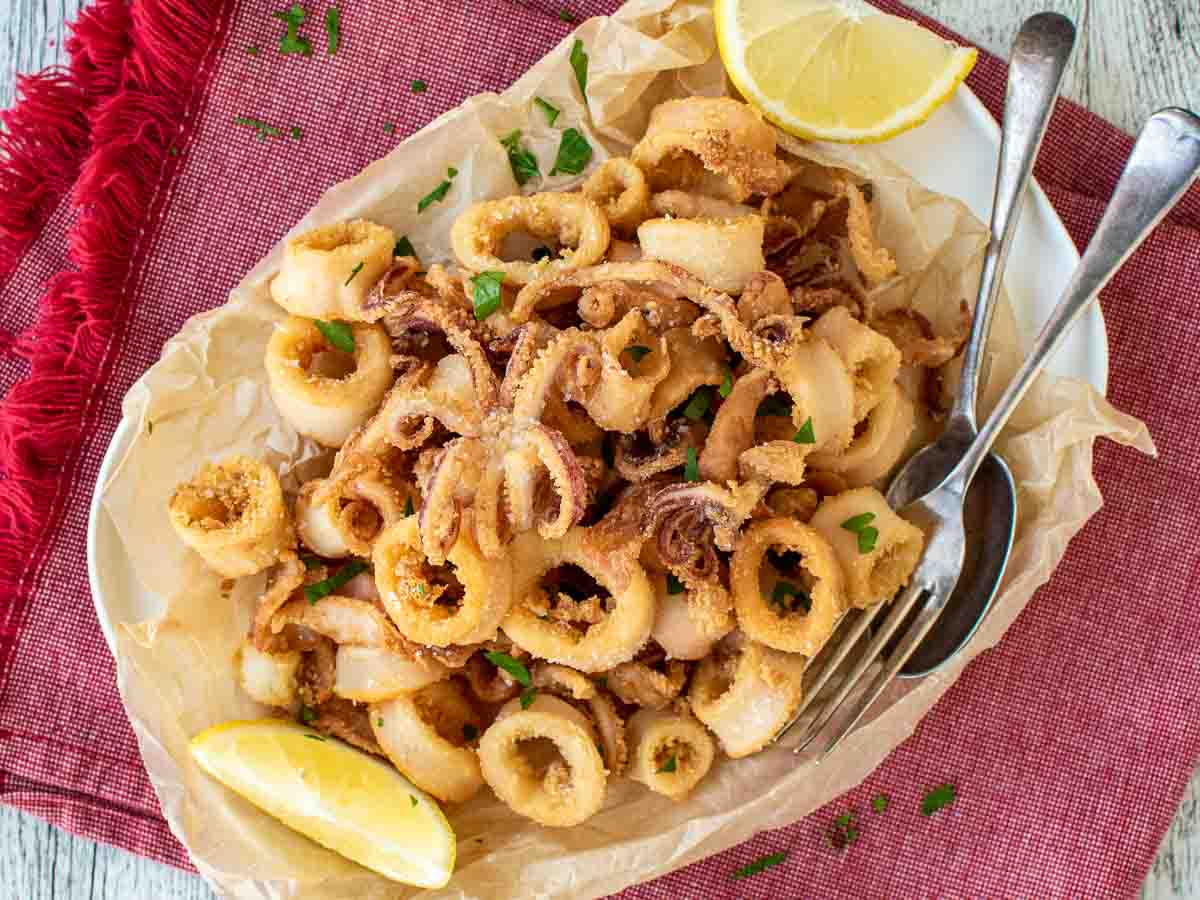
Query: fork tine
x,y
849,640
899,612
907,646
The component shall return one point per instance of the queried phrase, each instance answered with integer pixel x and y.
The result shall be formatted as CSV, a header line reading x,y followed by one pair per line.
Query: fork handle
x,y
1164,163
1040,54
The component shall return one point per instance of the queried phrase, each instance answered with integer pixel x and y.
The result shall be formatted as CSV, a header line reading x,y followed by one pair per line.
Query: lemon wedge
x,y
340,797
837,70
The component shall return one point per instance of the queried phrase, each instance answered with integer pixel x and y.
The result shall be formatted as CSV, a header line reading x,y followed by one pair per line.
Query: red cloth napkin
x,y
1069,744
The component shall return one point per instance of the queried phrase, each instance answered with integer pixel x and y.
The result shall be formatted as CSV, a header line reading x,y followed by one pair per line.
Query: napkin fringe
x,y
153,58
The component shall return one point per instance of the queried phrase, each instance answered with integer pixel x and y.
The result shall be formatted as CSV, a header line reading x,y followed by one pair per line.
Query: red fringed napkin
x,y
1069,744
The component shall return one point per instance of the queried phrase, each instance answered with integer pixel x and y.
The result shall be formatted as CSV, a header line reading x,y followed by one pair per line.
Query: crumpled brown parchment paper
x,y
207,398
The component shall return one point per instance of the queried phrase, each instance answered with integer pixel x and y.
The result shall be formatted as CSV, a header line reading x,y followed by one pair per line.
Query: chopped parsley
x,y
404,247
438,193
726,387
549,109
527,697
252,50
638,352
470,732
522,162
867,533
379,721
333,29
354,272
669,766
319,589
296,133
513,667
540,253
413,799
691,471
760,864
418,86
408,506
173,151
389,127
775,405
308,715
574,153
697,406
487,293
785,589
842,832
261,128
674,585
879,802
291,42
311,562
579,62
939,798
805,435
338,334
565,15
315,737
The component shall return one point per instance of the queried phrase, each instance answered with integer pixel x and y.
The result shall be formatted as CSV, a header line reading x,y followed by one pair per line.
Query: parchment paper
x,y
208,398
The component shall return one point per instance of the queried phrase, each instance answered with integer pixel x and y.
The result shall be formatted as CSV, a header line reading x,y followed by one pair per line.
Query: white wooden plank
x,y
31,38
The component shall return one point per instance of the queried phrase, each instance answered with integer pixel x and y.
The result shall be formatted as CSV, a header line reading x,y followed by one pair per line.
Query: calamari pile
x,y
597,500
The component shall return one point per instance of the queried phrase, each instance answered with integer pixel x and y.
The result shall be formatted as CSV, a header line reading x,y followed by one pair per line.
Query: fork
x,y
1164,163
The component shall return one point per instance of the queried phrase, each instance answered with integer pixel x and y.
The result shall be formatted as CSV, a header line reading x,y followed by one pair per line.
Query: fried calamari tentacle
x,y
723,253
269,678
688,205
876,568
233,514
797,503
624,526
638,457
871,359
611,728
544,484
793,608
603,304
573,221
327,272
877,449
875,263
347,722
764,295
489,684
321,391
451,485
286,580
695,363
914,335
638,683
444,392
461,603
733,429
620,189
624,616
671,752
723,136
543,762
688,522
563,681
424,736
745,692
779,460
372,674
528,341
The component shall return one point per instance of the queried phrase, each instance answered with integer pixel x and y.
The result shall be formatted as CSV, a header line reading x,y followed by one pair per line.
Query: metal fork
x,y
1164,163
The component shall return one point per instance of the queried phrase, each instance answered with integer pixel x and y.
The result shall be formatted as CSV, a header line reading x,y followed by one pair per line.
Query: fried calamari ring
x,y
327,272
563,681
723,253
620,189
344,513
320,391
733,428
372,674
344,620
638,457
543,762
771,610
821,390
602,304
687,205
871,359
730,139
639,684
745,692
462,606
780,460
233,514
269,678
622,399
691,620
571,220
621,629
287,578
450,485
670,752
424,736
444,392
764,295
797,503
878,573
878,448
695,362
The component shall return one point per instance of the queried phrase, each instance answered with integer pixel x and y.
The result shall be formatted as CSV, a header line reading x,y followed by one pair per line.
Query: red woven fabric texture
x,y
1069,744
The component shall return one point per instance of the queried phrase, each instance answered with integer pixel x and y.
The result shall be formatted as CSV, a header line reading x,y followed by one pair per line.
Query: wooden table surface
x,y
1134,57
